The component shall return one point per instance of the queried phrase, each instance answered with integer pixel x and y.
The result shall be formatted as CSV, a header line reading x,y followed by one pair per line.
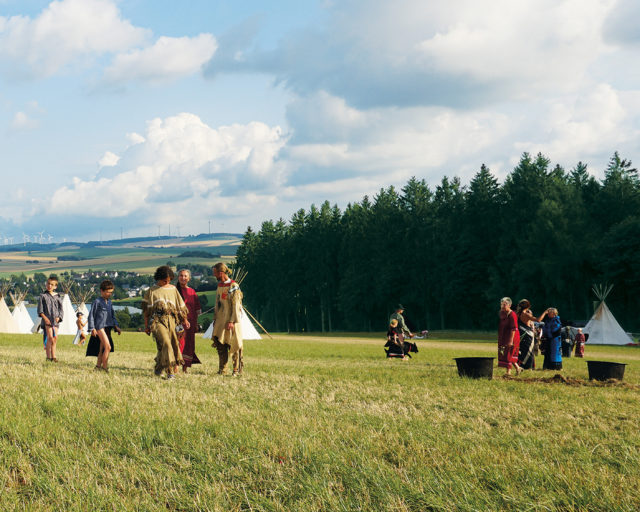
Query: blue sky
x,y
144,114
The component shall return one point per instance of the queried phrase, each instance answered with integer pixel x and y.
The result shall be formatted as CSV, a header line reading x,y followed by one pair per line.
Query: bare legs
x,y
105,348
52,340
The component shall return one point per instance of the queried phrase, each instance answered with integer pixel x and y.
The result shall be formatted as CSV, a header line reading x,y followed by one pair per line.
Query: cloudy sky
x,y
135,115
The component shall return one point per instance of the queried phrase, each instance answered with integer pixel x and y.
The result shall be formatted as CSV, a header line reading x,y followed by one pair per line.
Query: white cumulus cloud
x,y
66,31
109,159
21,121
168,58
180,168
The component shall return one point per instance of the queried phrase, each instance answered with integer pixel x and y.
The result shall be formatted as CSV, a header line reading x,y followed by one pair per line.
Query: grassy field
x,y
316,423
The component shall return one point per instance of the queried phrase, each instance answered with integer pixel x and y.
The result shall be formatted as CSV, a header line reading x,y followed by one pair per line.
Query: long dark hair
x,y
163,272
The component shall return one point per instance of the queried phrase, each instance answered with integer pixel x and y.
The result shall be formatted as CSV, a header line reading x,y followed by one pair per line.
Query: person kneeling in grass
x,y
102,320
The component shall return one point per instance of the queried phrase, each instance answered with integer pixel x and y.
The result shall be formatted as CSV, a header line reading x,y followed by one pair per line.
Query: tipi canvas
x,y
20,314
7,322
68,324
603,328
249,332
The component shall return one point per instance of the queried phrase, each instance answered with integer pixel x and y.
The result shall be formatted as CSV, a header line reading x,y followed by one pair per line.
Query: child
x,y
50,311
102,320
81,335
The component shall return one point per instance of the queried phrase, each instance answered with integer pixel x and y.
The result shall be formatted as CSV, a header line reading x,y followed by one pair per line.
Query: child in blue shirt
x,y
102,320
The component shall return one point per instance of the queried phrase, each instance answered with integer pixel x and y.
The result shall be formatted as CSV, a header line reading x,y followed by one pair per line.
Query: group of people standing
x,y
521,334
170,315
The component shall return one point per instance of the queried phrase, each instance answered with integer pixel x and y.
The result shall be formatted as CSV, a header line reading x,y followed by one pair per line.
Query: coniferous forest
x,y
449,253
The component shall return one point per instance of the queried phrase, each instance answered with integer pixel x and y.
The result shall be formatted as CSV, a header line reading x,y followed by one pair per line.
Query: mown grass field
x,y
316,423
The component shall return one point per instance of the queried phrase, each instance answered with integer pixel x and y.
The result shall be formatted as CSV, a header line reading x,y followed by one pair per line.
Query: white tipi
x,y
68,324
249,332
7,322
20,313
603,328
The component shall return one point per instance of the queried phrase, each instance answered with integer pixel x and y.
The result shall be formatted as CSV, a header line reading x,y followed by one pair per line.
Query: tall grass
x,y
314,424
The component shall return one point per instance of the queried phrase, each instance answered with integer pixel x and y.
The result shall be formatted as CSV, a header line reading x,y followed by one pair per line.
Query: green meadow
x,y
316,423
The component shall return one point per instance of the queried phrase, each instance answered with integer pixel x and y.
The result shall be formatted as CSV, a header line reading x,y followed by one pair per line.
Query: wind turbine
x,y
41,237
25,238
50,238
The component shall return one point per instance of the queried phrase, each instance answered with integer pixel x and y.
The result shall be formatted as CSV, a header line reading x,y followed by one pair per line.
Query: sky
x,y
144,117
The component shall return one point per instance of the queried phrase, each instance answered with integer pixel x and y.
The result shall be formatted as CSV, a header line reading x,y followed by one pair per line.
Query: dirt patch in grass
x,y
572,381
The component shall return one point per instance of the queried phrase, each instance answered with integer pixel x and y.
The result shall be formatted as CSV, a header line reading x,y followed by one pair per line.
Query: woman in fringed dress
x,y
164,312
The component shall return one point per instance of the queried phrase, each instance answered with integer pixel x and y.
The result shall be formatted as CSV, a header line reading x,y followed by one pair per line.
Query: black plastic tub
x,y
475,367
605,370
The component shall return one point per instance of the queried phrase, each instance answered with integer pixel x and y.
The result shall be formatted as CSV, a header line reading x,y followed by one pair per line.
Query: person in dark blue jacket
x,y
552,331
102,320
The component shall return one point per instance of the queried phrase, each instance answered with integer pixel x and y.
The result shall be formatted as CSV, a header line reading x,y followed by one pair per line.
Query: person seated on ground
x,y
396,346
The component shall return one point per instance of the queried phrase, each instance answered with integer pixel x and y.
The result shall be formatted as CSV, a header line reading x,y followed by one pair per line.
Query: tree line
x,y
448,254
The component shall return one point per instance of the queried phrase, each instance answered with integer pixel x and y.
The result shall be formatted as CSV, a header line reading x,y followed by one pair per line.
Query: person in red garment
x,y
508,337
193,304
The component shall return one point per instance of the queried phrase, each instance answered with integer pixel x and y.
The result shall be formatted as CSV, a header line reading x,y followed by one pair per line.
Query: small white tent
x,y
7,322
20,313
249,332
603,328
68,324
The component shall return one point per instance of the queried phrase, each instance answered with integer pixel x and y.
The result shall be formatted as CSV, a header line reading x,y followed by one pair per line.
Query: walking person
x,y
50,311
164,314
227,329
102,320
508,337
192,302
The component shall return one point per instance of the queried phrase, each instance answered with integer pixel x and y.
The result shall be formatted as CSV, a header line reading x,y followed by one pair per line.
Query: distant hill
x,y
199,254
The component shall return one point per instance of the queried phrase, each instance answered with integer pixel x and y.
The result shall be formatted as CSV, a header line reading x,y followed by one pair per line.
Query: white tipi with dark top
x,y
603,328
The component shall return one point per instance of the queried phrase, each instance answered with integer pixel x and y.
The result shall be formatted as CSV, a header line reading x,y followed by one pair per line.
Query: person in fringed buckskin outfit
x,y
164,315
227,329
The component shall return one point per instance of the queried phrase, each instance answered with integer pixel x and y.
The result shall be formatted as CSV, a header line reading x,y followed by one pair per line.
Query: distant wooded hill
x,y
199,254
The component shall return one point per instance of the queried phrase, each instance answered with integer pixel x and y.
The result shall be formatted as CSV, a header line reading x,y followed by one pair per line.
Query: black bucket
x,y
605,370
475,367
